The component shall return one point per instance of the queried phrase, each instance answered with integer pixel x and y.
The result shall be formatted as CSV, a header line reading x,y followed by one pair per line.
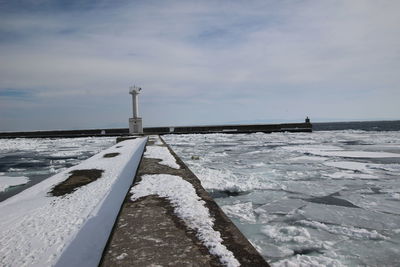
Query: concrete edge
x,y
126,197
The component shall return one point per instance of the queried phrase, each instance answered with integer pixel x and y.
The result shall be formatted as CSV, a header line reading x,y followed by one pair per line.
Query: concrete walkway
x,y
148,233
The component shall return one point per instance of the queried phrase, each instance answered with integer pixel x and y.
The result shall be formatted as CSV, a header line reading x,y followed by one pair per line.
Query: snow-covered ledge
x,y
51,225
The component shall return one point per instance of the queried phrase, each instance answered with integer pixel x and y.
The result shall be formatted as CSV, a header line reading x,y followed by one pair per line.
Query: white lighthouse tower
x,y
135,123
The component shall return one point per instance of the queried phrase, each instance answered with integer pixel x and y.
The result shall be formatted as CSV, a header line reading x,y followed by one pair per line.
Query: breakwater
x,y
248,128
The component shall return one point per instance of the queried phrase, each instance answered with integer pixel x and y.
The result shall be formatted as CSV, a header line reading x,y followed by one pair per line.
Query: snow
x,y
287,234
156,139
162,153
122,256
38,229
226,180
7,181
189,207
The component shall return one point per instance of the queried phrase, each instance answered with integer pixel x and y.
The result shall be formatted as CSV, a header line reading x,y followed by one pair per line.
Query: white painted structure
x,y
135,123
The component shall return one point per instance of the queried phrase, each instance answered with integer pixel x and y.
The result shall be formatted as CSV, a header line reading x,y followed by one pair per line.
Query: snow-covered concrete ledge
x,y
40,227
189,207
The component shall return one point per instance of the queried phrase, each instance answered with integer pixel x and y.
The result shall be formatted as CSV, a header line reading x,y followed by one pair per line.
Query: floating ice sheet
x,y
331,151
353,217
8,181
350,165
242,211
339,167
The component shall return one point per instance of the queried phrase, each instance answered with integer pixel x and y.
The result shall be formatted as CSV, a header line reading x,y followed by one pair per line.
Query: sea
x,y
326,198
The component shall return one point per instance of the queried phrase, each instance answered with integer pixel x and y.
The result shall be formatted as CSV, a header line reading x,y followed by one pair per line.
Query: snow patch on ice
x,y
8,181
287,234
225,180
189,207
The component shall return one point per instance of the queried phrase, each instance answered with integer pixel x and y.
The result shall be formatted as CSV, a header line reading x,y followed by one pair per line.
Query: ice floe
x,y
353,217
9,181
355,172
352,232
242,211
312,261
350,165
332,151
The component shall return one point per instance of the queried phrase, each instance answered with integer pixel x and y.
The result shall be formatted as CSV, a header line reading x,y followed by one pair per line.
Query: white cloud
x,y
214,55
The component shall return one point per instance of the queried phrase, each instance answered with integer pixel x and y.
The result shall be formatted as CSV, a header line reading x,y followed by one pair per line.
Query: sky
x,y
68,64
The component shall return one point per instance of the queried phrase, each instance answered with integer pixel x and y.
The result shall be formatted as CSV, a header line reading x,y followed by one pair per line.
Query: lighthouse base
x,y
135,125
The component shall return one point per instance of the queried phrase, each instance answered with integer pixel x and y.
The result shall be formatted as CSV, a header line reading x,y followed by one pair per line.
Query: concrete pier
x,y
148,232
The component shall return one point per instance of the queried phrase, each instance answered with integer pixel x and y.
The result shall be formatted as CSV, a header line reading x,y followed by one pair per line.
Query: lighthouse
x,y
135,123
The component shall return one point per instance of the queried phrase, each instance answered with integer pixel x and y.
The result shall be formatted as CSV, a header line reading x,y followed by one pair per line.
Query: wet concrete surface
x,y
148,233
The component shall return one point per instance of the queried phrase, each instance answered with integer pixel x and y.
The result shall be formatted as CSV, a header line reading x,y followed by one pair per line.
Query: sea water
x,y
328,198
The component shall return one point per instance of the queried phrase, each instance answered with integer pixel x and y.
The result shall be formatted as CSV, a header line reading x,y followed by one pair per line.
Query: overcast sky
x,y
69,64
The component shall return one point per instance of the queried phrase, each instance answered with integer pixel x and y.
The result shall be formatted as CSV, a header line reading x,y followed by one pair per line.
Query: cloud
x,y
257,59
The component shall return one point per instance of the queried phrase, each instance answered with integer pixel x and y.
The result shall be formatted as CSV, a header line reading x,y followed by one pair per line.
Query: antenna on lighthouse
x,y
135,123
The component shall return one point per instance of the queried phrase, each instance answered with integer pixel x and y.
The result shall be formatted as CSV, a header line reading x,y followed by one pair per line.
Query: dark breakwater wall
x,y
358,125
66,133
251,128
